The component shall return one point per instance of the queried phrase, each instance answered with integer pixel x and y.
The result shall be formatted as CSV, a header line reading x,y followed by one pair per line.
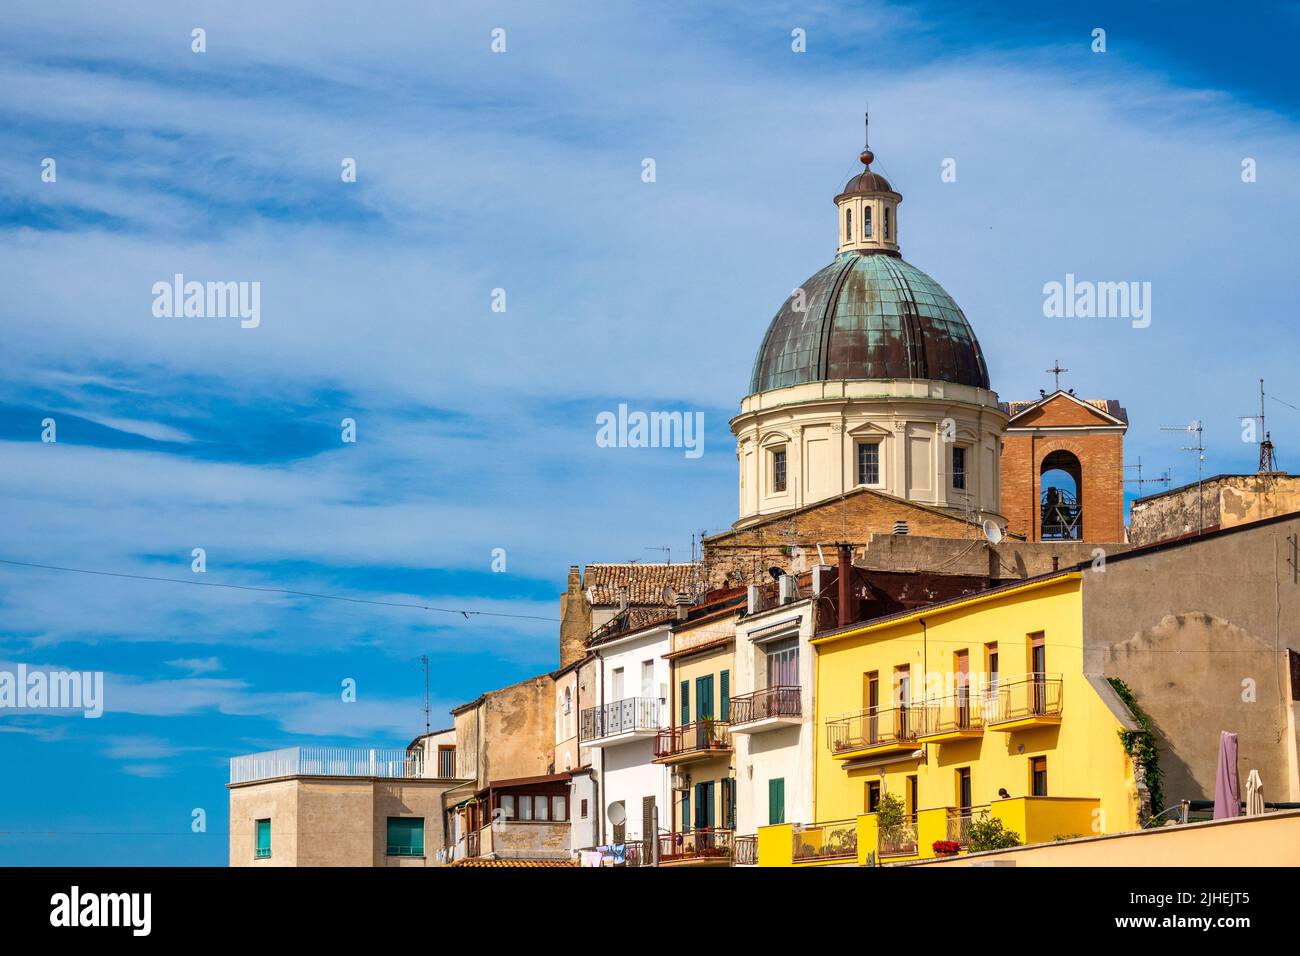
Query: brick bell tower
x,y
1063,467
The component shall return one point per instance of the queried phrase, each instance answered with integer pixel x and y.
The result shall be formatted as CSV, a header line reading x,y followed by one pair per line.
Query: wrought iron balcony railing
x,y
705,843
700,737
620,717
962,713
899,839
746,853
1032,695
785,701
959,821
875,727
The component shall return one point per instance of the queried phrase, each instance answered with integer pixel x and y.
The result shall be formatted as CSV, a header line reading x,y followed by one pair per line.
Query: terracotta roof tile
x,y
644,583
487,861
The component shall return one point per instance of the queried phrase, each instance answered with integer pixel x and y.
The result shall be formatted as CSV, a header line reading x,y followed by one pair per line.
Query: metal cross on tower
x,y
1057,370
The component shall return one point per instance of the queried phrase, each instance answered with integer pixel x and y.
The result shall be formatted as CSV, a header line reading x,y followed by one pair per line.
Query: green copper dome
x,y
869,316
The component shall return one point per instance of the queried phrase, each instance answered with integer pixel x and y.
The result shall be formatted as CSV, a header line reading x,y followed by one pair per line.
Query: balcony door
x,y
870,704
1038,667
783,664
704,818
616,684
903,699
704,698
964,790
962,669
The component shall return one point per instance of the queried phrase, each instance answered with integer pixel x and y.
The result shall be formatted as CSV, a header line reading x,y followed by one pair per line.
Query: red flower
x,y
945,847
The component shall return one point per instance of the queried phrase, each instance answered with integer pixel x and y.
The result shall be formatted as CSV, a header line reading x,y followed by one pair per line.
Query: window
x,y
541,809
582,809
873,796
406,836
848,225
866,222
616,684
728,803
568,699
964,789
886,223
686,703
783,663
686,810
869,463
724,702
526,807
704,697
776,801
263,841
778,471
912,795
958,466
507,806
1038,776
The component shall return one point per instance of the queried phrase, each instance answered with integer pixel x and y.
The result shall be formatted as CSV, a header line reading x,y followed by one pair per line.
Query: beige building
x,y
1223,501
327,806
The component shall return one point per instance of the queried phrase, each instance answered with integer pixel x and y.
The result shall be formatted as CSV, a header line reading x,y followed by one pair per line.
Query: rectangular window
x,y
582,808
866,222
508,806
525,807
542,808
912,795
848,225
1038,776
958,467
406,836
963,788
263,842
724,701
783,663
869,463
728,803
886,223
776,801
686,810
559,808
616,684
686,703
873,796
778,471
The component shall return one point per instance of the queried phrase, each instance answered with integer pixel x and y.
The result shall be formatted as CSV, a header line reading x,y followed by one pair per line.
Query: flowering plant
x,y
945,847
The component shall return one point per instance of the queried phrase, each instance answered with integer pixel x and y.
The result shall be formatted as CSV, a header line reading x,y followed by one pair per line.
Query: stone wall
x,y
1229,500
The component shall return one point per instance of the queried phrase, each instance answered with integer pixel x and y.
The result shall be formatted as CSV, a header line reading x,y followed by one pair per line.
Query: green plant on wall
x,y
990,833
1140,744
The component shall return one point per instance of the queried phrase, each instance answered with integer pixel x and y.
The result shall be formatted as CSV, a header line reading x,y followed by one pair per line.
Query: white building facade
x,y
632,677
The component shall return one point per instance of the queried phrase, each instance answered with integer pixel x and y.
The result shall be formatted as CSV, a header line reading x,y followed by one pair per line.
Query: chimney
x,y
683,603
789,591
622,599
845,584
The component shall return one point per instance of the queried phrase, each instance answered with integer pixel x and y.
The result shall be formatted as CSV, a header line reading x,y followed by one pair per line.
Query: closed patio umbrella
x,y
1254,794
1227,787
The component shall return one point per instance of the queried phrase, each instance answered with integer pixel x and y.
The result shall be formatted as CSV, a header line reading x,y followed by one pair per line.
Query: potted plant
x,y
945,847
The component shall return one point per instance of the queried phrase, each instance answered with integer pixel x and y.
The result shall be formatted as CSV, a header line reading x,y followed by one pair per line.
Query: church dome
x,y
869,315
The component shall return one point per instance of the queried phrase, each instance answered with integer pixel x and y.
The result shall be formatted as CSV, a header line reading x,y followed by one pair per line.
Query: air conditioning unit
x,y
680,781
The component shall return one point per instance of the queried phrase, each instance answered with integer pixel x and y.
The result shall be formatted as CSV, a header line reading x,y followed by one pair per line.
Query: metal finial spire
x,y
867,155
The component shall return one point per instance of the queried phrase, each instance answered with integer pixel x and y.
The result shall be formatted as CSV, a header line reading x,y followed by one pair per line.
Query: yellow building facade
x,y
975,706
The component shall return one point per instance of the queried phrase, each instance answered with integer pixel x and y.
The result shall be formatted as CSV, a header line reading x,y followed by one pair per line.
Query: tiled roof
x,y
644,583
1108,405
633,619
487,861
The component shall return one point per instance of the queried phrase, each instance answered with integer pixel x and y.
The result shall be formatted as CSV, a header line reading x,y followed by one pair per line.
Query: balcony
x,y
959,717
825,842
394,762
1033,700
959,821
702,847
766,710
695,741
632,718
874,732
746,853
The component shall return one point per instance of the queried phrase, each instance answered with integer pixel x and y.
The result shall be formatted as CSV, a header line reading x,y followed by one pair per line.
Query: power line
x,y
265,590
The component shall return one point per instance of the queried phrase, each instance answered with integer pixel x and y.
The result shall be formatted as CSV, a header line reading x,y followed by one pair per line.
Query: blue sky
x,y
476,428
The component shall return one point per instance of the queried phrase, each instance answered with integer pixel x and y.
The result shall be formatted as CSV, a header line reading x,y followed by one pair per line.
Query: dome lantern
x,y
868,211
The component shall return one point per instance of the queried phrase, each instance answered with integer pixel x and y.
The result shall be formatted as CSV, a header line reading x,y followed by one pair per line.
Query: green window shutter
x,y
776,800
704,698
405,836
263,839
686,810
725,703
686,702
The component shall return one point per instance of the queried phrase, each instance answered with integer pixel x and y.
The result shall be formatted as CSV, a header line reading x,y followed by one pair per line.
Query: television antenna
x,y
1195,428
1161,479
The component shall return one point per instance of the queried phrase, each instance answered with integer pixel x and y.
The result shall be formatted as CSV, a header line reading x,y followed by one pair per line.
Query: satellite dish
x,y
617,814
668,595
992,533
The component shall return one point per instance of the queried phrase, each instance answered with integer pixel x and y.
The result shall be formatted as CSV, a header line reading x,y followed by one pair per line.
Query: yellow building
x,y
971,706
697,748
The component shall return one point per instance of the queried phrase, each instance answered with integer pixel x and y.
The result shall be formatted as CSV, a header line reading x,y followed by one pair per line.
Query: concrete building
x,y
328,806
633,678
1223,501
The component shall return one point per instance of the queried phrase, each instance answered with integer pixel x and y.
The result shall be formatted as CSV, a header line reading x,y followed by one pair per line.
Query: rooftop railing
x,y
836,840
620,717
393,762
704,843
